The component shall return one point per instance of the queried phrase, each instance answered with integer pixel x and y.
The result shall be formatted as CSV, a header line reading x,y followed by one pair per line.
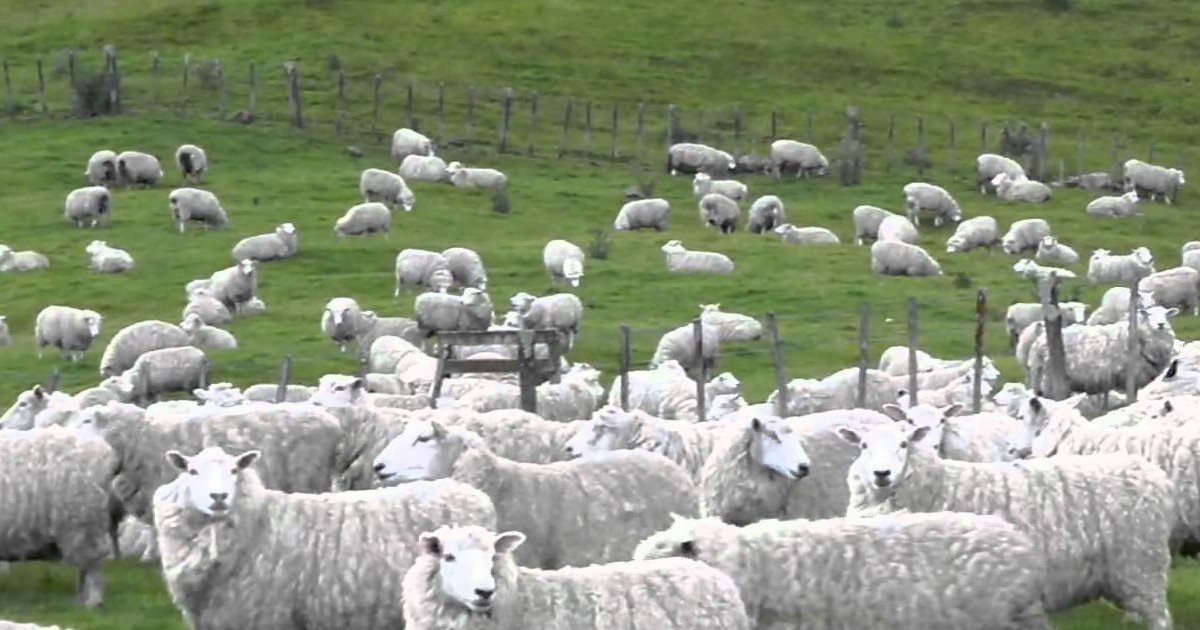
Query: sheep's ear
x,y
895,412
1172,312
1167,407
1173,369
357,383
950,410
38,392
245,459
677,519
917,435
430,544
509,541
439,431
177,459
757,425
1035,404
849,435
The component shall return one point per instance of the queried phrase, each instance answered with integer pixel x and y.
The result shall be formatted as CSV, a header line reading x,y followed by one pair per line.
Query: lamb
x,y
137,339
180,369
1099,180
385,187
698,158
138,168
1106,268
1041,276
766,214
563,261
679,344
105,259
575,397
209,309
342,321
680,260
92,204
192,162
216,515
420,267
805,158
895,258
1150,181
1022,190
436,312
466,578
477,178
1123,502
11,261
731,327
56,503
576,512
1024,235
101,169
793,235
894,361
194,204
920,196
364,218
36,408
683,442
1173,288
1052,252
1114,206
989,165
466,267
406,142
897,228
280,244
866,222
71,330
720,212
703,185
836,391
207,337
424,168
236,285
1114,306
974,233
562,312
1021,315
983,437
643,214
814,570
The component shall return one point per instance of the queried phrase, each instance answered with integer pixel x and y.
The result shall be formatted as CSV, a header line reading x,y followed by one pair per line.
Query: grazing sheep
x,y
137,339
424,168
894,362
576,512
92,204
643,214
1022,190
575,397
194,204
5,339
679,344
207,337
436,312
56,503
192,162
983,437
466,578
766,214
71,330
105,259
1173,288
562,312
1021,315
1099,180
102,169
235,285
1150,181
748,163
897,228
181,369
1051,252
866,222
1114,206
720,212
680,260
138,168
703,185
385,187
1106,268
280,244
1024,235
973,233
731,327
419,267
477,178
342,321
1041,276
698,158
920,196
210,310
684,442
805,158
895,258
406,142
36,408
1124,503
11,261
563,261
227,542
1114,306
835,573
989,165
836,391
466,267
364,218
793,235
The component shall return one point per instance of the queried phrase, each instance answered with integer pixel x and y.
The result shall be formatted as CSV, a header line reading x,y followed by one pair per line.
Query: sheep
x,y
654,391
364,218
703,185
207,337
720,212
236,285
1124,504
643,214
1021,315
1050,251
192,162
216,517
895,258
406,142
437,312
894,361
1114,206
983,437
466,267
766,214
611,429
265,392
342,321
137,339
71,330
92,204
941,377
1106,268
1150,181
253,306
563,261
958,392
575,397
420,267
138,168
562,312
1024,235
731,327
1022,190
280,244
209,309
477,178
373,327
974,233
5,339
836,573
105,259
575,512
698,158
989,165
36,408
385,187
680,260
9,625
11,261
179,369
836,391
866,222
1043,277
1173,288
897,228
386,352
1099,180
56,503
793,235
1190,257
750,163
920,196
679,344
102,169
805,158
466,578
1114,306
424,168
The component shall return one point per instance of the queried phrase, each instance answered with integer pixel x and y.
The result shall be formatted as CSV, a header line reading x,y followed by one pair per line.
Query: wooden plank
x,y
484,337
980,321
1133,354
625,361
440,374
482,366
702,373
529,379
864,323
912,351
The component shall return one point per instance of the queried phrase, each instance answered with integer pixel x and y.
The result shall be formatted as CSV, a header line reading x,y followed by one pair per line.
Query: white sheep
x,y
897,228
477,178
266,392
1106,268
766,214
679,344
36,408
1051,252
698,158
207,337
342,321
703,184
1150,181
731,327
194,204
1041,276
406,142
562,312
1099,180
793,235
436,312
280,244
181,369
866,222
958,392
1173,288
974,233
71,330
1022,190
11,261
921,196
137,339
106,259
896,258
419,267
387,351
466,267
210,310
236,285
385,187
575,397
373,327
192,162
134,167
805,158
5,339
1021,315
650,389
989,165
720,212
684,442
894,361
1024,235
1190,256
1114,206
563,261
680,260
92,204
1114,306
941,377
837,391
983,437
424,168
364,218
643,214
101,169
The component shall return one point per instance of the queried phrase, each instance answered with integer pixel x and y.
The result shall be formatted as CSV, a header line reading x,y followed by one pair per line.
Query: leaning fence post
x,y
505,114
293,93
409,98
912,351
183,94
702,371
527,375
441,113
114,78
566,129
42,87
781,391
1133,354
980,321
864,323
625,360
377,88
339,118
671,125
641,129
252,99
920,148
616,154
587,131
8,92
155,65
533,123
205,367
1082,148
285,373
891,143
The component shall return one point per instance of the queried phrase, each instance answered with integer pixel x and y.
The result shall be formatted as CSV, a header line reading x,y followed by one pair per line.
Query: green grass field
x,y
969,59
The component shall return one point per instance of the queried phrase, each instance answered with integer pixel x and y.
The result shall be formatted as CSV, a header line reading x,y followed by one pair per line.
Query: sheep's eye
x,y
424,438
340,388
22,404
687,548
448,557
233,472
904,445
192,471
1037,433
864,446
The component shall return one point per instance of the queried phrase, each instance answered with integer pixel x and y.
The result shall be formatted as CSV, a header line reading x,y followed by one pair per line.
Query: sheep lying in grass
x,y
101,169
680,260
974,233
105,259
896,258
1022,190
71,330
137,339
466,578
235,286
422,168
1114,206
835,573
989,165
192,162
207,337
686,157
386,188
364,218
92,204
894,361
1024,235
766,214
1099,180
793,235
920,196
1051,252
1173,288
280,244
1106,268
563,261
731,327
805,158
477,178
643,214
265,392
1150,181
866,222
194,204
11,261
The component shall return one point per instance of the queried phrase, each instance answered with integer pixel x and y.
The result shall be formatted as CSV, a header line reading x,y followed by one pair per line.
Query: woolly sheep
x,y
21,261
562,312
563,261
1024,235
731,327
265,392
71,330
1123,502
342,321
36,408
720,212
698,158
577,394
793,235
1051,252
280,244
1021,315
1021,190
253,306
1190,258
1173,288
654,391
766,214
1114,306
179,369
805,158
194,204
958,392
102,169
105,259
92,204
466,578
836,391
209,309
424,168
406,142
983,437
236,285
417,267
1150,181
206,557
192,162
1106,268
373,327
1041,276
471,178
920,196
703,185
897,228
385,187
1114,205
895,258
436,312
989,165
680,260
138,168
684,442
642,214
973,233
679,344
575,513
941,377
207,337
364,218
137,339
386,352
834,573
894,361
1099,180
866,222
466,267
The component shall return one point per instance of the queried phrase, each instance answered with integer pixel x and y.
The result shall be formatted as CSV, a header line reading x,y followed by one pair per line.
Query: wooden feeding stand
x,y
531,369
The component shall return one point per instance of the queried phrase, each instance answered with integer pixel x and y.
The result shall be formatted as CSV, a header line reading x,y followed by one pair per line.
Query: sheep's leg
x,y
90,588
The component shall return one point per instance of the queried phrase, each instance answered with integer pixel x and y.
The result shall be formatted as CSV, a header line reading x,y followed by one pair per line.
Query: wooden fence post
x,y
890,151
114,78
221,92
616,153
983,133
51,382
920,148
293,93
912,352
702,372
155,67
1054,383
9,101
285,373
1150,152
377,89
864,323
809,135
625,361
1133,355
505,115
71,78
781,391
439,133
671,125
950,150
409,104
980,321
641,130
42,86
1082,149
252,99
737,130
205,373
1115,169
774,125
1043,147
187,68
566,128
339,118
587,131
527,374
533,123
470,112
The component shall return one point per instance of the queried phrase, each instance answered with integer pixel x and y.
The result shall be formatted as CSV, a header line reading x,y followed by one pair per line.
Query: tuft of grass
x,y
962,281
500,202
600,244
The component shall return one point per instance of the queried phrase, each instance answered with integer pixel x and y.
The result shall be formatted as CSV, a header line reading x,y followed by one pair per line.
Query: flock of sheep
x,y
361,502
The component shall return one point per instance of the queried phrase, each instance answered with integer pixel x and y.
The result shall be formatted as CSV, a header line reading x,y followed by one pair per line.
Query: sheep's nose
x,y
1024,452
219,496
570,450
379,467
801,471
484,593
882,474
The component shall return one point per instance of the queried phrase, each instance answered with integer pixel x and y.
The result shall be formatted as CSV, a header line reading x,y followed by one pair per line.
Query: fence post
x,y
616,153
950,151
1115,169
641,130
562,140
737,130
920,148
505,114
1133,355
377,95
702,372
1082,148
587,131
42,86
533,123
980,321
525,358
470,112
155,66
625,367
864,323
252,99
890,151
114,78
1043,140
809,137
1150,152
441,113
285,373
221,93
71,78
51,382
912,351
774,125
409,97
339,120
1054,386
8,93
671,125
187,65
205,368
293,93
781,391
983,133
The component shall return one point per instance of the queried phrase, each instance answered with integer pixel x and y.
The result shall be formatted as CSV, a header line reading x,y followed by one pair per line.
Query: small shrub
x,y
894,21
599,247
91,93
962,281
500,202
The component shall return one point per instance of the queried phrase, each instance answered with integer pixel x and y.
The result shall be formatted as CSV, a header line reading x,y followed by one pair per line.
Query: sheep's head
x,y
95,247
1000,180
884,453
1143,255
286,229
29,404
339,390
1011,395
1178,176
725,404
1156,318
1099,253
220,395
477,301
424,450
520,302
774,446
677,541
1023,265
406,199
454,167
469,562
1036,435
573,271
92,320
922,415
1130,197
673,247
208,480
192,323
341,310
247,268
1048,242
5,253
710,308
610,428
785,229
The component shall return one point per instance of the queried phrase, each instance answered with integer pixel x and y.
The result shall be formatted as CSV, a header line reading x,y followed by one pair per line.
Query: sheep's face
x,y
5,253
725,383
208,479
999,180
287,229
1048,242
1143,256
406,199
93,321
454,168
928,416
423,451
338,390
467,558
1130,197
672,247
725,404
247,268
1023,265
1011,396
954,244
573,271
440,281
95,247
191,323
29,404
777,448
521,301
884,452
608,430
1034,436
677,541
339,310
1157,318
